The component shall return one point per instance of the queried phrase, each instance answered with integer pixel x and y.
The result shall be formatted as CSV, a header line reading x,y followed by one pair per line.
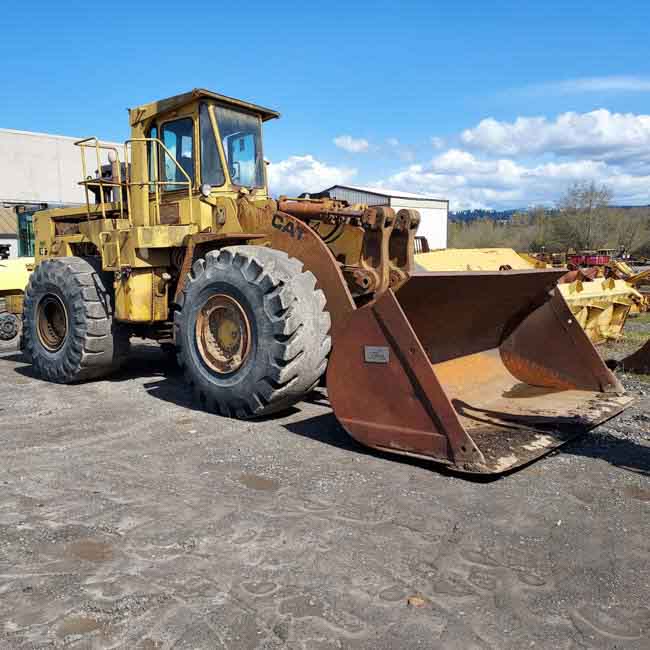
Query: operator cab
x,y
209,141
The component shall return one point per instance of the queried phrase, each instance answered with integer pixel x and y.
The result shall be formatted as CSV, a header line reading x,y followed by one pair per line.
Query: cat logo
x,y
290,227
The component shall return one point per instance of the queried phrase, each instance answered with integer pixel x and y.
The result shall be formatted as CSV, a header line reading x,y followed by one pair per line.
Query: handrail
x,y
89,181
157,182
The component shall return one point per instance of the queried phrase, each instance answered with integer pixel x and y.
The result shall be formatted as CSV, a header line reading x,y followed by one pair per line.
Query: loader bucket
x,y
638,361
482,371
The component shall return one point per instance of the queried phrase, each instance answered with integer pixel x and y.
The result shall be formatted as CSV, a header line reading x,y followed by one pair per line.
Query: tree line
x,y
583,219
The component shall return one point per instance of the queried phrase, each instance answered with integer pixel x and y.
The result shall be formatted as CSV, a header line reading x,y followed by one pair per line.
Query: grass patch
x,y
631,336
641,319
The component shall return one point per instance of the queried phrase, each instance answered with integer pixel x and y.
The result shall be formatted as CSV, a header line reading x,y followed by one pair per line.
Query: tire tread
x,y
294,307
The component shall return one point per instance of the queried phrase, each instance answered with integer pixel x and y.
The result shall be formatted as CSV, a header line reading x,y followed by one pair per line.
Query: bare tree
x,y
585,205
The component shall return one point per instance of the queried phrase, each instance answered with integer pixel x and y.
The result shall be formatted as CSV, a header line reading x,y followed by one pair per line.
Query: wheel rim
x,y
52,322
223,334
9,326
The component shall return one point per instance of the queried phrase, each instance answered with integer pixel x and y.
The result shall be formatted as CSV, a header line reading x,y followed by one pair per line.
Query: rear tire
x,y
68,330
252,332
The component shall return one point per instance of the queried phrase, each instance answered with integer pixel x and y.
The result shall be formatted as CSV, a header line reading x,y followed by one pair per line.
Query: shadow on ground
x,y
619,452
151,362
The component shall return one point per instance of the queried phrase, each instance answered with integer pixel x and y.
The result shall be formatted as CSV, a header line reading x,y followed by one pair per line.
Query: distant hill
x,y
472,215
506,215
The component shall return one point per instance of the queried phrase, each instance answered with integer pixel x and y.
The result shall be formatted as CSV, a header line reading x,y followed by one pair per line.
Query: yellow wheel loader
x,y
481,371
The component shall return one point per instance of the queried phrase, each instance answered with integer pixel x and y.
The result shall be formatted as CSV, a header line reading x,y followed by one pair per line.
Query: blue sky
x,y
422,96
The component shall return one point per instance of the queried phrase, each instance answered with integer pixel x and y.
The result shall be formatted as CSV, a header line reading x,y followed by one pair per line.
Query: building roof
x,y
146,111
8,222
38,134
383,191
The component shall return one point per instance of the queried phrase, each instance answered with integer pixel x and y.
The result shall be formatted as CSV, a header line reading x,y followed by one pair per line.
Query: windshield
x,y
241,137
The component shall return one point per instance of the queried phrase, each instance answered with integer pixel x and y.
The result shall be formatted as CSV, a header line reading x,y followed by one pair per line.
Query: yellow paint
x,y
14,276
472,259
601,306
141,296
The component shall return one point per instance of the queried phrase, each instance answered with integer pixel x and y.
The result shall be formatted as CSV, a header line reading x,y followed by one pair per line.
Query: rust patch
x,y
88,549
417,601
78,625
169,213
255,482
150,644
636,492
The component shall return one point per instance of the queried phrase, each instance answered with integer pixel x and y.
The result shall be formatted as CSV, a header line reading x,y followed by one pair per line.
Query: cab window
x,y
241,138
178,137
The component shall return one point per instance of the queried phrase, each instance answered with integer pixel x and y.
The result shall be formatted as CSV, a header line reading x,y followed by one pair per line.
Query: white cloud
x,y
621,83
405,152
499,164
350,144
472,182
299,174
598,134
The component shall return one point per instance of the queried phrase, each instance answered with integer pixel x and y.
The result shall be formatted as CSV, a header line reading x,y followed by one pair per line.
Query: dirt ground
x,y
128,519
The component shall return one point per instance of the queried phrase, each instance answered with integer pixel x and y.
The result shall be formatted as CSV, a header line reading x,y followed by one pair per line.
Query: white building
x,y
433,211
43,168
40,170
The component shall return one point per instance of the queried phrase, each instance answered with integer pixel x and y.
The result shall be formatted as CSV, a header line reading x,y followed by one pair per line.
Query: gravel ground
x,y
128,519
633,424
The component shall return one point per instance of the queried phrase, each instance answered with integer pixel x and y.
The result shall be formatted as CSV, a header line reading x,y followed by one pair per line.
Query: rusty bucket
x,y
483,371
638,361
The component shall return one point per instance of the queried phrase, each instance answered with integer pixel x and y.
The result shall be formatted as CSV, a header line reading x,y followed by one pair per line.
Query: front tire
x,y
68,329
252,332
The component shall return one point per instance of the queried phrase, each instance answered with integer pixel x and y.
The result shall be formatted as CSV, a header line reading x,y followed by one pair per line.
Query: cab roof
x,y
146,111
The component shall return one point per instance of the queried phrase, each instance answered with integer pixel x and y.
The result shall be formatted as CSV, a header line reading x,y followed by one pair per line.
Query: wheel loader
x,y
481,371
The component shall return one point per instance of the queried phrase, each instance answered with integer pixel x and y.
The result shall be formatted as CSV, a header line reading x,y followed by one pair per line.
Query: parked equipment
x,y
640,281
482,371
601,305
14,276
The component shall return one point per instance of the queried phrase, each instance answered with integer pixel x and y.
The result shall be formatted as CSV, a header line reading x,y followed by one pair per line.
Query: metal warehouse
x,y
434,211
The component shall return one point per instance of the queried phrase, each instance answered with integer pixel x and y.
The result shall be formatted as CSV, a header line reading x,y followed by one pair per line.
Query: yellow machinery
x,y
14,276
259,297
622,271
600,305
